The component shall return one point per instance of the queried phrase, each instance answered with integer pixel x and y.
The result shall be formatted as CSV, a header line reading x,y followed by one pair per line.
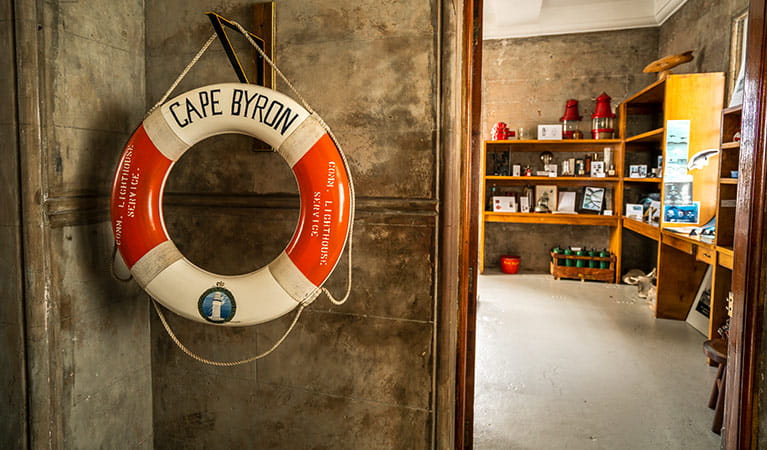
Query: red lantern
x,y
602,119
571,120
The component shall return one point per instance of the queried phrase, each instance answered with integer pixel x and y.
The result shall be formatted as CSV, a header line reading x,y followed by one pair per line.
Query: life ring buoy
x,y
296,275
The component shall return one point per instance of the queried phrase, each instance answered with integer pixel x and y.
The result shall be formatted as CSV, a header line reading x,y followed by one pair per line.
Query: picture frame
x,y
550,132
516,170
736,69
597,169
593,199
638,171
546,195
634,211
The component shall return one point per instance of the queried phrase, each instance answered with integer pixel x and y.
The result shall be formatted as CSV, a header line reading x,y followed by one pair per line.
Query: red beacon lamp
x,y
602,119
571,121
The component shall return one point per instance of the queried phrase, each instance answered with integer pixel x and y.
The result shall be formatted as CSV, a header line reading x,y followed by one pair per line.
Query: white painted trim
x,y
556,20
613,25
666,9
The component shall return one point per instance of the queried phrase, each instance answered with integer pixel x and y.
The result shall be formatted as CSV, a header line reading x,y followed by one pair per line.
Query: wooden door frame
x,y
471,49
749,265
745,343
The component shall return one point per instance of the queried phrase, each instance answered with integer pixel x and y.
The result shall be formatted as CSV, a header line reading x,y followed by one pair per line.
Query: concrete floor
x,y
570,365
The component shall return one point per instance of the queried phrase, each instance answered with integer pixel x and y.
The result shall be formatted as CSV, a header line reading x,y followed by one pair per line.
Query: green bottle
x,y
580,262
568,261
593,264
604,264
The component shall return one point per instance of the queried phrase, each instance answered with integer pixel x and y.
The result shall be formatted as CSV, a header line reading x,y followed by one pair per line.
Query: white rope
x,y
183,73
335,141
224,363
350,233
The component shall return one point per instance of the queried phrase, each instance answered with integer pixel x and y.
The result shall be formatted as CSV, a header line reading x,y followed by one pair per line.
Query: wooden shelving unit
x,y
579,148
682,260
642,120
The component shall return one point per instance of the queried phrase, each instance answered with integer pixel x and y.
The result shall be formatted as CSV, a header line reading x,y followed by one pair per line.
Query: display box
x,y
504,204
550,132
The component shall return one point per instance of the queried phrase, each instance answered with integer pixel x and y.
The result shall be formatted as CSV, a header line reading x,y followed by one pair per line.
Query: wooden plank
x,y
698,98
679,276
645,229
554,219
264,27
721,281
652,136
745,346
651,94
725,257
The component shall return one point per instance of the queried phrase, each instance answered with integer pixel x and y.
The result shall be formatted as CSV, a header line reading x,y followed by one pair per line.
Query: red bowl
x,y
509,264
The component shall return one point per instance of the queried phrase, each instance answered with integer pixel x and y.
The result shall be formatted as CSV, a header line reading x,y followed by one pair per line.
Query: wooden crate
x,y
582,273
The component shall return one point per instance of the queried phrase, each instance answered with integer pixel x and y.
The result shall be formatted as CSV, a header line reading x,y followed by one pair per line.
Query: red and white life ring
x,y
324,219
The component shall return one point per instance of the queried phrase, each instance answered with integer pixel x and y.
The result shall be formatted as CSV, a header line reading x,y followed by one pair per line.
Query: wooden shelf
x,y
645,229
730,145
560,180
556,141
728,181
653,136
651,94
642,180
554,219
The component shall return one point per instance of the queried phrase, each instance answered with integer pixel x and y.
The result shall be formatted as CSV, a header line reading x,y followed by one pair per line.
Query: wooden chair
x,y
716,350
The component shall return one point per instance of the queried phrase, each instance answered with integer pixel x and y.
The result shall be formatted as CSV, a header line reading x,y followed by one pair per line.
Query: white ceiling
x,y
523,18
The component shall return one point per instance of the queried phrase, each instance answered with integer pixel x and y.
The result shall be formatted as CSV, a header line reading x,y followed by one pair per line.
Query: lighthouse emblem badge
x,y
217,305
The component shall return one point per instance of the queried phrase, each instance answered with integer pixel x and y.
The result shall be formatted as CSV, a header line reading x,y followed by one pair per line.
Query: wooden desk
x,y
682,264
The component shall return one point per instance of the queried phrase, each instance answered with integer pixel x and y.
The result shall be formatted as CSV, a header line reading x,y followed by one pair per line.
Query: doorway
x,y
739,429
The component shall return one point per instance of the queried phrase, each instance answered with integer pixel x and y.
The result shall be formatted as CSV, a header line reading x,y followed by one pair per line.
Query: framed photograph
x,y
736,74
551,169
597,169
688,214
546,195
566,203
516,170
638,171
634,211
593,199
505,204
550,132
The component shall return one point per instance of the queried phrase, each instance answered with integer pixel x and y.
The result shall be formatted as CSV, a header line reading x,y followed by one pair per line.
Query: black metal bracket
x,y
219,22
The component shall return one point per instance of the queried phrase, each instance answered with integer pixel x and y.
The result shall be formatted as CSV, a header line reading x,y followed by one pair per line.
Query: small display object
x,y
516,170
551,169
593,199
638,171
550,132
634,211
524,204
545,198
681,213
597,169
566,168
579,168
505,204
566,203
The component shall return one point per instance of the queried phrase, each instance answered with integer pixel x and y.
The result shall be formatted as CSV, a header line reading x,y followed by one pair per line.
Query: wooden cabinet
x,y
644,133
527,152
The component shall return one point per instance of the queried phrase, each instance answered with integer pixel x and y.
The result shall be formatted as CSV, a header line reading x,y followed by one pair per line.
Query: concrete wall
x,y
526,82
703,26
352,376
81,92
13,413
